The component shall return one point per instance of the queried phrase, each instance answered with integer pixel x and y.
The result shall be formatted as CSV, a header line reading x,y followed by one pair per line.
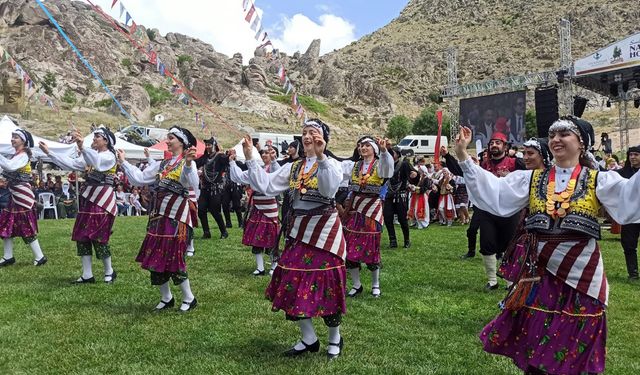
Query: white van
x,y
277,140
421,144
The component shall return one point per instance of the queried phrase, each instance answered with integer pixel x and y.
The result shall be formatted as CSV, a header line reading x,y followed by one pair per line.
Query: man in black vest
x,y
213,164
630,232
395,202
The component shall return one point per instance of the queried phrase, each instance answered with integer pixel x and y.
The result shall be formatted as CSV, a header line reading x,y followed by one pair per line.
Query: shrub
x,y
157,95
126,62
69,97
49,83
151,34
308,102
106,103
399,127
184,58
427,123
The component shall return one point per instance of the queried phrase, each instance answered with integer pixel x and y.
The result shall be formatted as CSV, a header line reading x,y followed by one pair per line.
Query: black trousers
x,y
496,232
396,207
231,202
472,231
629,240
209,202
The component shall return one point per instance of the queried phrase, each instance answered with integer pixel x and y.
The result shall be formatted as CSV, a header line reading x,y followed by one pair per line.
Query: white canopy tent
x,y
7,127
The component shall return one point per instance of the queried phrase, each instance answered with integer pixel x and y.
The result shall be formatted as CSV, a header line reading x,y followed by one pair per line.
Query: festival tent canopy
x,y
604,69
7,127
132,151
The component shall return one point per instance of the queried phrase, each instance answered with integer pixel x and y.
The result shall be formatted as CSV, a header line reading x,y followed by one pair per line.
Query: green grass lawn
x,y
432,308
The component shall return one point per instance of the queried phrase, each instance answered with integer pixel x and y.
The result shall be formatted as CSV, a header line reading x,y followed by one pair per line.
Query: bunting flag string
x,y
179,89
26,80
288,86
83,60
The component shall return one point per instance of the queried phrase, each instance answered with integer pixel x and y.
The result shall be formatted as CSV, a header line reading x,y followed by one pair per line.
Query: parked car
x,y
424,145
142,135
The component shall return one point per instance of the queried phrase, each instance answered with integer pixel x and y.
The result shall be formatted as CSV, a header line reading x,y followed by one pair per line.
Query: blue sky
x,y
291,25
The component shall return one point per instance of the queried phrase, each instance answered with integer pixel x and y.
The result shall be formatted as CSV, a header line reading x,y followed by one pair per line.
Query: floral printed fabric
x,y
260,231
362,235
17,221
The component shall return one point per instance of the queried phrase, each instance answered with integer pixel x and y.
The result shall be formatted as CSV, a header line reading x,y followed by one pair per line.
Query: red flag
x,y
133,27
250,14
437,156
114,3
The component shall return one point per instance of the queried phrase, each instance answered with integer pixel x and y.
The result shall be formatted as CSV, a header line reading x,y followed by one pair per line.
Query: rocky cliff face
x,y
395,69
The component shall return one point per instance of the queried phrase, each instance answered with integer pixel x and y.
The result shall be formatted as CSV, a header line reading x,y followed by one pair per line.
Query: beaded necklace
x,y
364,178
558,203
303,178
169,167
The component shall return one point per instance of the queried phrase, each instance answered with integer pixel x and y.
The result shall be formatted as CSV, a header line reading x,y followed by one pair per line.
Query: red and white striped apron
x,y
368,206
103,196
323,231
22,195
268,206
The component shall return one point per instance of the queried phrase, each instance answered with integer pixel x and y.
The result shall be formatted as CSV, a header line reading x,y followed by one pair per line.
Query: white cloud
x,y
297,32
221,23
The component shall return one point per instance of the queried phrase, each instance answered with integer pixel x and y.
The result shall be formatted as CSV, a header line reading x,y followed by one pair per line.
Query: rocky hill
x,y
395,70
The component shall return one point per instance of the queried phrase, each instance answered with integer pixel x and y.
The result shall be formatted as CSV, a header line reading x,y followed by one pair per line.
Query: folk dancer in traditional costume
x,y
536,156
446,205
553,320
310,279
262,225
420,185
396,200
19,218
97,210
629,233
461,199
172,216
363,216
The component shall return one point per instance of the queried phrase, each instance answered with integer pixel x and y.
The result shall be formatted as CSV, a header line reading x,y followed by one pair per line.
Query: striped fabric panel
x,y
321,231
176,207
368,206
267,205
22,195
103,196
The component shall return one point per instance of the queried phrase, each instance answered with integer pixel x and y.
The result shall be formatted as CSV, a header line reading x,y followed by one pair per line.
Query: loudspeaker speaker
x,y
579,105
546,109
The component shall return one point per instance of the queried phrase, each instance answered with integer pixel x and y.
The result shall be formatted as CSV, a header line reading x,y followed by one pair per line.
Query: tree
x,y
530,124
399,127
427,123
49,83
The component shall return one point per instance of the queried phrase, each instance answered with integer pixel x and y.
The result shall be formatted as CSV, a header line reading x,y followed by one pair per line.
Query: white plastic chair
x,y
48,201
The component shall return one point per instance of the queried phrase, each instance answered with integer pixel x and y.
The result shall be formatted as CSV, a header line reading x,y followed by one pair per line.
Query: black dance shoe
x,y
257,272
490,287
393,244
192,305
293,352
374,294
40,262
229,225
407,244
355,291
206,235
166,306
112,277
339,345
82,280
224,235
7,262
468,256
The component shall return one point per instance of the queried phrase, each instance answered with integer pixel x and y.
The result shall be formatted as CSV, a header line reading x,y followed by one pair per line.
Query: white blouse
x,y
507,195
239,176
188,177
15,163
271,184
385,166
101,161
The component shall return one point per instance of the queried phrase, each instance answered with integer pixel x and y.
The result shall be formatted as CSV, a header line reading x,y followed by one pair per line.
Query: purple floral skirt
x,y
562,331
511,266
260,231
165,245
308,282
362,235
93,223
17,221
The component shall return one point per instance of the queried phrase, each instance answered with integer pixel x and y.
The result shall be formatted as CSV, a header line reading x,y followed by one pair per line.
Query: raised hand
x,y
122,156
247,147
77,138
443,150
146,153
190,154
383,143
462,142
232,154
319,145
43,146
272,153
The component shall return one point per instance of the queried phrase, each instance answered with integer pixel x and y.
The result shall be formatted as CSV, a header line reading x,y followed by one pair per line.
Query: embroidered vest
x,y
500,169
19,176
171,181
583,205
94,177
374,182
312,194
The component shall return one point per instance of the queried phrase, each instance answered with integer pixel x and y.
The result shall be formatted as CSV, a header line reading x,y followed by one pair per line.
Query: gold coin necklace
x,y
558,202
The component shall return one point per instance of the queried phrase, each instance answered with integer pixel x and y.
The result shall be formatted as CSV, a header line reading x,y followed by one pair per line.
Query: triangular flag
x,y
281,73
259,33
114,3
255,23
250,14
245,4
162,69
286,82
289,87
121,10
133,27
126,22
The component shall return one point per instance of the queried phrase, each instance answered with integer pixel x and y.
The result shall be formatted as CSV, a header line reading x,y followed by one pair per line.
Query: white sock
x,y
165,293
8,248
334,338
37,251
375,282
355,277
259,262
308,333
190,249
187,296
87,272
108,269
490,263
